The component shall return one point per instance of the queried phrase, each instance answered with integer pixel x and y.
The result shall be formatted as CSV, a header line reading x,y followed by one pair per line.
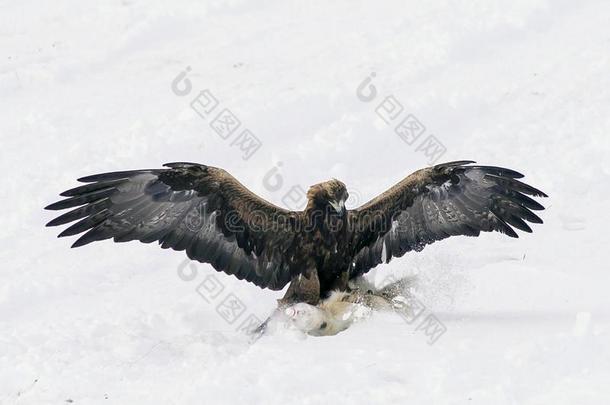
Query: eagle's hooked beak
x,y
338,206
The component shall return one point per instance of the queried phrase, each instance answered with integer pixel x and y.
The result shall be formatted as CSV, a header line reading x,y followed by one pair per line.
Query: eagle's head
x,y
329,194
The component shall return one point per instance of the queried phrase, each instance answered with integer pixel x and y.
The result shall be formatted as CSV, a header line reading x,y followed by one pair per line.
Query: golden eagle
x,y
206,212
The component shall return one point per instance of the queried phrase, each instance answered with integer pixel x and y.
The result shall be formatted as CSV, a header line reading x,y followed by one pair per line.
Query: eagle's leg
x,y
397,288
340,283
303,288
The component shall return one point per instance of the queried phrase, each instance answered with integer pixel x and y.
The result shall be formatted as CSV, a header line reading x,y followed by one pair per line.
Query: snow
x,y
86,87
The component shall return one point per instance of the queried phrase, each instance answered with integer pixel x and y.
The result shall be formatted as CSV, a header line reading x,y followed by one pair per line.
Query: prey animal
x,y
207,213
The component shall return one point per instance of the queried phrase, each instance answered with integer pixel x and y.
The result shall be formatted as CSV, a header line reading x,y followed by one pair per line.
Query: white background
x,y
85,87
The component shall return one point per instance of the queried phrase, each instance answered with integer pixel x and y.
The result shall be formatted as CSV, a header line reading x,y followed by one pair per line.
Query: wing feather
x,y
189,207
450,199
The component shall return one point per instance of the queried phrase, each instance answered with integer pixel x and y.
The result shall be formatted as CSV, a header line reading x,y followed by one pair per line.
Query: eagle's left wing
x,y
200,209
449,199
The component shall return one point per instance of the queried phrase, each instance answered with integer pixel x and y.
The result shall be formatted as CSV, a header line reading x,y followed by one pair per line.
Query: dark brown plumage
x,y
206,212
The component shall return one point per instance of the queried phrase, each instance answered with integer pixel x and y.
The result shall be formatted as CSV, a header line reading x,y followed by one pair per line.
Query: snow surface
x,y
86,87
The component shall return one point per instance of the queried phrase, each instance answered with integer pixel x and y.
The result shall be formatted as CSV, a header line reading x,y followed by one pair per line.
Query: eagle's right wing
x,y
432,204
186,206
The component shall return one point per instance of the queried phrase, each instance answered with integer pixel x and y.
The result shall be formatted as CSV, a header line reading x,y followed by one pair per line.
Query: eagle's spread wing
x,y
200,209
435,203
